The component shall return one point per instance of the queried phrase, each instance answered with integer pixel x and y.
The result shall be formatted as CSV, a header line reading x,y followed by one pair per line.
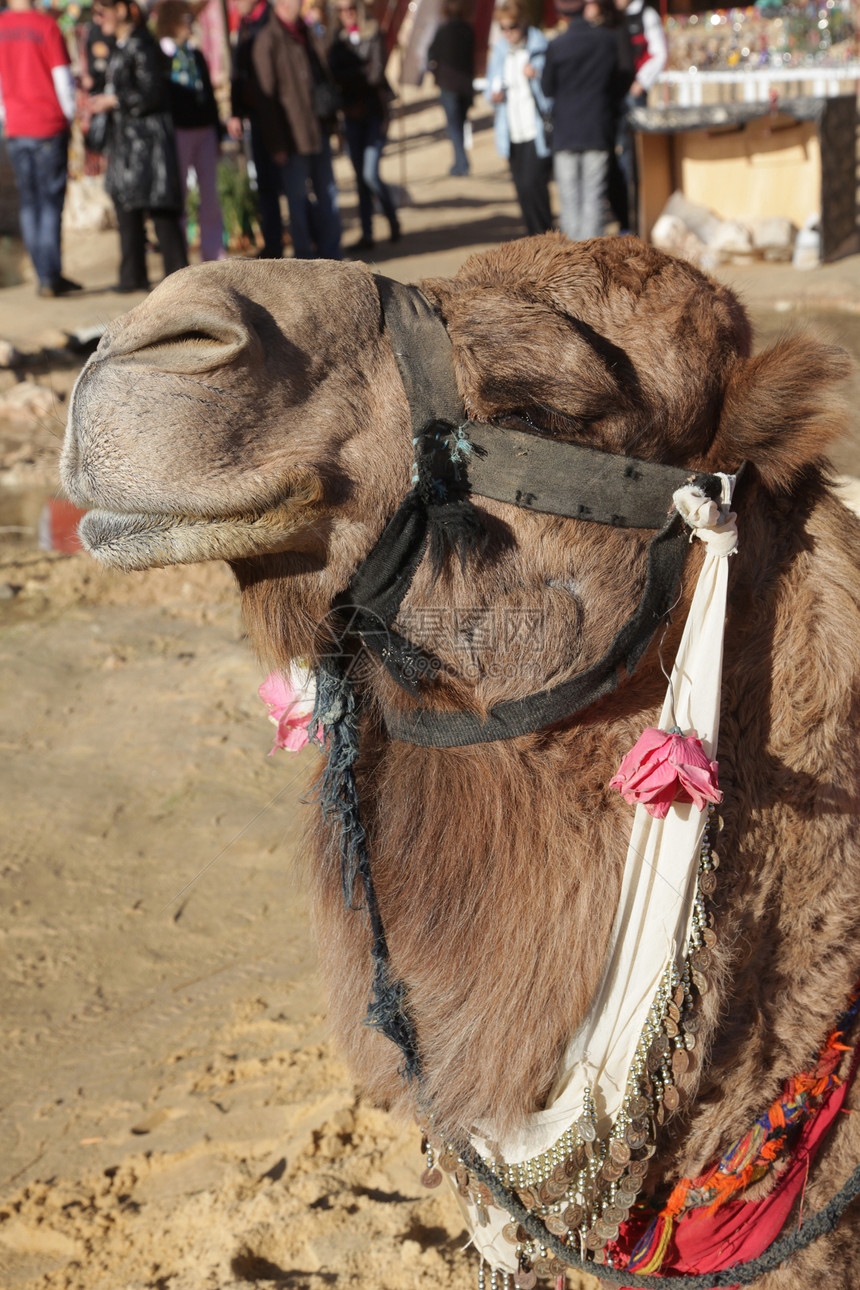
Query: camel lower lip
x,y
138,540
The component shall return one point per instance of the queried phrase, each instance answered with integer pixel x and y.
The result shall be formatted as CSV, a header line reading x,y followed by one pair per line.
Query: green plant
x,y
239,207
238,202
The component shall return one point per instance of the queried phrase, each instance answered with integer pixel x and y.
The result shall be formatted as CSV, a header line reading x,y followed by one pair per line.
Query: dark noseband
x,y
457,458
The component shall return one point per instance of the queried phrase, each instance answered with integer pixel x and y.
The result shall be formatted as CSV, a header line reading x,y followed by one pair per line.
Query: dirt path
x,y
173,1112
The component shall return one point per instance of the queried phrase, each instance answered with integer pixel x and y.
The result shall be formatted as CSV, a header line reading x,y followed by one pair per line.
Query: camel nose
x,y
191,336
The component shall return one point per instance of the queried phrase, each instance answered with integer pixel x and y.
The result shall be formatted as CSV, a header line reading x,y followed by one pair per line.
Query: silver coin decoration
x,y
583,1188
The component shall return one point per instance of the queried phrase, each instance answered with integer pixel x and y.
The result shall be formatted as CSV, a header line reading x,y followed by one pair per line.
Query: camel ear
x,y
781,410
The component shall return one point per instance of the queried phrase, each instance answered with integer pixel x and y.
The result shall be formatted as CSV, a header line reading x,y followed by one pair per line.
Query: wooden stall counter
x,y
751,161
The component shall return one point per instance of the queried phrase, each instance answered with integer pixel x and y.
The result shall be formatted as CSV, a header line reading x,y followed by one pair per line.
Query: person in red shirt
x,y
37,105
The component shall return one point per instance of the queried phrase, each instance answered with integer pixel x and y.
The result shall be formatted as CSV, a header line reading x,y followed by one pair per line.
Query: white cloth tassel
x,y
655,907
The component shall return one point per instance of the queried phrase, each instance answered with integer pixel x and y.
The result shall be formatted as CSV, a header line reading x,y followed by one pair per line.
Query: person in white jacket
x,y
520,106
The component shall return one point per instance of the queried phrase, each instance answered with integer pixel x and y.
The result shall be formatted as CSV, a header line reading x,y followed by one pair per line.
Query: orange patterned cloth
x,y
704,1226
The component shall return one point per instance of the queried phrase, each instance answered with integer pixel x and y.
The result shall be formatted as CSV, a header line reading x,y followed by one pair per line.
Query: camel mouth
x,y
136,540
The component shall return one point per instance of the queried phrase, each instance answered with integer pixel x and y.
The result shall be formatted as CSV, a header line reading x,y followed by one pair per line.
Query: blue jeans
x,y
40,167
456,106
581,178
365,141
295,174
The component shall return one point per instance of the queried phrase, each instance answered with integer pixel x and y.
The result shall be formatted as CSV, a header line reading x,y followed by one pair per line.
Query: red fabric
x,y
30,46
741,1230
256,13
641,53
297,30
58,526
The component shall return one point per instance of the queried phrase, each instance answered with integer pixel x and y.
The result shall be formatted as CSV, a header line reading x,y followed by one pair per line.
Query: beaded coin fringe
x,y
497,1281
505,1281
583,1187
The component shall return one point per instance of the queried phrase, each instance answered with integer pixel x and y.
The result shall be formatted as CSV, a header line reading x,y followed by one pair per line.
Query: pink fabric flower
x,y
290,700
662,768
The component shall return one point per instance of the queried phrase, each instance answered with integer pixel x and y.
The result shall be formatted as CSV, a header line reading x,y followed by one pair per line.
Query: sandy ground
x,y
174,1113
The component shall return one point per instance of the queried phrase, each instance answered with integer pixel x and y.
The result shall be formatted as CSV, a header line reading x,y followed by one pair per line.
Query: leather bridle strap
x,y
423,350
430,727
530,470
537,473
525,470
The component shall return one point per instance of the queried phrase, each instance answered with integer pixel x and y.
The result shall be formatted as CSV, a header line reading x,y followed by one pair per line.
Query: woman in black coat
x,y
142,170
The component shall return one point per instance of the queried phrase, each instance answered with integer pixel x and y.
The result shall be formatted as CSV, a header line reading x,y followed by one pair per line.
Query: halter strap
x,y
529,471
423,350
557,478
429,727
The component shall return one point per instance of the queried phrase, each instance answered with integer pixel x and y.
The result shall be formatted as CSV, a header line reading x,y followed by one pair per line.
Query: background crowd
x,y
301,77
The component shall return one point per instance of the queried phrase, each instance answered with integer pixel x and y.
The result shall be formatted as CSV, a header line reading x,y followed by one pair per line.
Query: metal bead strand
x,y
652,1074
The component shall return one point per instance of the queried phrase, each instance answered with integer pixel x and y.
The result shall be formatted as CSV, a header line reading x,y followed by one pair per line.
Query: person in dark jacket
x,y
142,171
195,122
644,33
356,60
604,13
451,58
295,113
245,109
580,75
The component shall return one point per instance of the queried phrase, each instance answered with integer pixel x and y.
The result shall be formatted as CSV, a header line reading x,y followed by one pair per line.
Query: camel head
x,y
253,411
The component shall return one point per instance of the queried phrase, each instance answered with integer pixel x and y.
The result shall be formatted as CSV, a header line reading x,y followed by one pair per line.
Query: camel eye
x,y
517,421
544,421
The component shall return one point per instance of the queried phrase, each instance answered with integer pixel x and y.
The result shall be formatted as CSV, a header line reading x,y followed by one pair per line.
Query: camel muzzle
x,y
139,541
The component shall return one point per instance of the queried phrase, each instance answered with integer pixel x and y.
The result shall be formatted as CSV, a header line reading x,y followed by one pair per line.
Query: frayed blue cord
x,y
461,449
336,716
336,732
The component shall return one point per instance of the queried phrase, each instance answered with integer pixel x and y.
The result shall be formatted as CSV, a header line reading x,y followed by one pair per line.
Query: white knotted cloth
x,y
655,908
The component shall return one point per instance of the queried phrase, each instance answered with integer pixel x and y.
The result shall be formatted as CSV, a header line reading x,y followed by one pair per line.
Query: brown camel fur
x,y
254,411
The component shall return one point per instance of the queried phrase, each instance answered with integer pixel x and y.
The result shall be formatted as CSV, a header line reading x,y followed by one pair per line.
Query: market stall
x,y
784,44
755,118
749,162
